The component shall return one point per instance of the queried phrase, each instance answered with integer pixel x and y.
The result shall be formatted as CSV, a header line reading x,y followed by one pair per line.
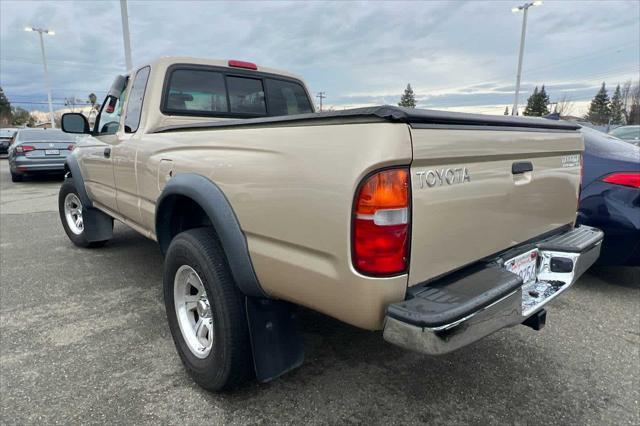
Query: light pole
x,y
525,9
41,31
125,34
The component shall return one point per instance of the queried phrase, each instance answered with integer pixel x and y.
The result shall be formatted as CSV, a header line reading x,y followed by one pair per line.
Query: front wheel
x,y
71,214
206,311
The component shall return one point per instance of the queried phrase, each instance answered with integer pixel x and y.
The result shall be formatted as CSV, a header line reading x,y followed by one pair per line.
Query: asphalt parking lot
x,y
83,339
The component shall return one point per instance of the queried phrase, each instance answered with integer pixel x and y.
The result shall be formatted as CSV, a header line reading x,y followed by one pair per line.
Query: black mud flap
x,y
276,340
98,226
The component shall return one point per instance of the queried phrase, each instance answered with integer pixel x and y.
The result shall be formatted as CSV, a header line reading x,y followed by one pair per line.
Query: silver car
x,y
37,151
6,135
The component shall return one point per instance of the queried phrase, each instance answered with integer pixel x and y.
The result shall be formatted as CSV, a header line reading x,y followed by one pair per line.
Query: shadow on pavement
x,y
626,276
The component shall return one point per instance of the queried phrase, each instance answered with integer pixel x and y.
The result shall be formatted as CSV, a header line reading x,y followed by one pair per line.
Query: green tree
x,y
634,109
538,103
542,104
531,103
408,98
5,109
21,117
93,99
617,107
599,110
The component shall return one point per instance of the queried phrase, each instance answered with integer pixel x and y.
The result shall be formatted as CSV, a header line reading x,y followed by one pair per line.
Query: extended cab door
x,y
97,161
125,152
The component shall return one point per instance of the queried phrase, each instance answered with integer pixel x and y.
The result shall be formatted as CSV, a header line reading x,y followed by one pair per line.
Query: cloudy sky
x,y
456,54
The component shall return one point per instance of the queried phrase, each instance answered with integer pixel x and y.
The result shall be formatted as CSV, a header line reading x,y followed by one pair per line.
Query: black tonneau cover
x,y
410,116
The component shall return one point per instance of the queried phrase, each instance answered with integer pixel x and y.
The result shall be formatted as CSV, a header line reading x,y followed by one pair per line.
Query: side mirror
x,y
74,122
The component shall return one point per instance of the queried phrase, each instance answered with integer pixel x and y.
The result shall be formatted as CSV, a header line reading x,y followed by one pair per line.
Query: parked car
x,y
438,228
6,136
38,151
627,133
610,198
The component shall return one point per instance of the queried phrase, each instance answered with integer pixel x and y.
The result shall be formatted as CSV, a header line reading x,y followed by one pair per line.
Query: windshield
x,y
44,136
626,132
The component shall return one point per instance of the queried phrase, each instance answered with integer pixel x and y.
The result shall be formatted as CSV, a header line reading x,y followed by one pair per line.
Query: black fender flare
x,y
216,206
72,165
98,226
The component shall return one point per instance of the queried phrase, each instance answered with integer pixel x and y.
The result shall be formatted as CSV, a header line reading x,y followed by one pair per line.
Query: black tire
x,y
79,239
229,364
16,177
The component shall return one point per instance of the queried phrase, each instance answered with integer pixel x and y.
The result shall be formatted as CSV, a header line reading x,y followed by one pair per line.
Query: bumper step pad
x,y
463,307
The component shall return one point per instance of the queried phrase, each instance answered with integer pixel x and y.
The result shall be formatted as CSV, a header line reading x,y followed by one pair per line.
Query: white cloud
x,y
455,54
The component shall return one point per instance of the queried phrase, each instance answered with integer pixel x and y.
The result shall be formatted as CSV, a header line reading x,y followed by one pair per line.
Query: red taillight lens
x,y
243,64
24,148
381,224
631,179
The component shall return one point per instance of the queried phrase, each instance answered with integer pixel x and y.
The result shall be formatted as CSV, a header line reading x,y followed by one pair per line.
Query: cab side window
x,y
136,98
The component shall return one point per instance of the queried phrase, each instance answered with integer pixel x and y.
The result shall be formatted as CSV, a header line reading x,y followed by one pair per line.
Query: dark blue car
x,y
610,198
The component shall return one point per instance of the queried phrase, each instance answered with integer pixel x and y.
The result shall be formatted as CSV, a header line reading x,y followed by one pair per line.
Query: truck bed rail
x,y
414,117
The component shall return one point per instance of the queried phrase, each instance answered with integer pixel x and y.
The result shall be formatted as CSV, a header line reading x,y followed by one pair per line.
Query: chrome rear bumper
x,y
446,315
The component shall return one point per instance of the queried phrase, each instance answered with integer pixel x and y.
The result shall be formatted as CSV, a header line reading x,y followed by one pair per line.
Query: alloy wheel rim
x,y
193,311
73,213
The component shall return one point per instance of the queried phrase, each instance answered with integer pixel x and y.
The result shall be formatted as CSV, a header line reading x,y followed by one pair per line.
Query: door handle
x,y
107,152
521,167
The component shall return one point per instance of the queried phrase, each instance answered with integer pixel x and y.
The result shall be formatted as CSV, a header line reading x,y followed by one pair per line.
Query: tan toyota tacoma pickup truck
x,y
437,228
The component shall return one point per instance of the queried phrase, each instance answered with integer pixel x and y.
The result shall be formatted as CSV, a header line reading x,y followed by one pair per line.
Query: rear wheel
x,y
206,311
71,214
16,177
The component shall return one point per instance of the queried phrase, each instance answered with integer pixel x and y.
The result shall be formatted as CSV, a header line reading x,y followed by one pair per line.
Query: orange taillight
x,y
381,224
384,190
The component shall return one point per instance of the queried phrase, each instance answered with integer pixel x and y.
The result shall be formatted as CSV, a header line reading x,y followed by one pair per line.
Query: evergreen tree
x,y
5,109
538,103
531,102
617,107
634,115
542,103
408,99
506,110
599,110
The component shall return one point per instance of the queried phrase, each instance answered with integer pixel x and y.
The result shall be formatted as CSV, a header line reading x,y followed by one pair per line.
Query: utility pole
x,y
525,9
321,96
41,31
125,34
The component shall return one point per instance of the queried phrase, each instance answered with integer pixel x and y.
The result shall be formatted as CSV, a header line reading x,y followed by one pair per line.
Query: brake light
x,y
631,179
243,64
24,148
381,224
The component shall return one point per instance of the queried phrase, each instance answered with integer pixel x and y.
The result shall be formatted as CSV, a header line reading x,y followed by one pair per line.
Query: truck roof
x,y
166,61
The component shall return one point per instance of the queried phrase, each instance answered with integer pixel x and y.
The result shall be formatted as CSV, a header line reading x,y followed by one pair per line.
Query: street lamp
x,y
41,31
524,8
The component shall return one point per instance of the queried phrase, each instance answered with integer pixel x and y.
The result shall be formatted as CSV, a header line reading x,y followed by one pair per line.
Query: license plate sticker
x,y
525,265
52,152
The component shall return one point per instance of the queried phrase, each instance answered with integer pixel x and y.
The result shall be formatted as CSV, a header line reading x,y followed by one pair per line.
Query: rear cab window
x,y
136,99
198,90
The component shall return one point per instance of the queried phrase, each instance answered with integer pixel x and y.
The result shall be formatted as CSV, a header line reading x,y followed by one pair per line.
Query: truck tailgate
x,y
474,194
